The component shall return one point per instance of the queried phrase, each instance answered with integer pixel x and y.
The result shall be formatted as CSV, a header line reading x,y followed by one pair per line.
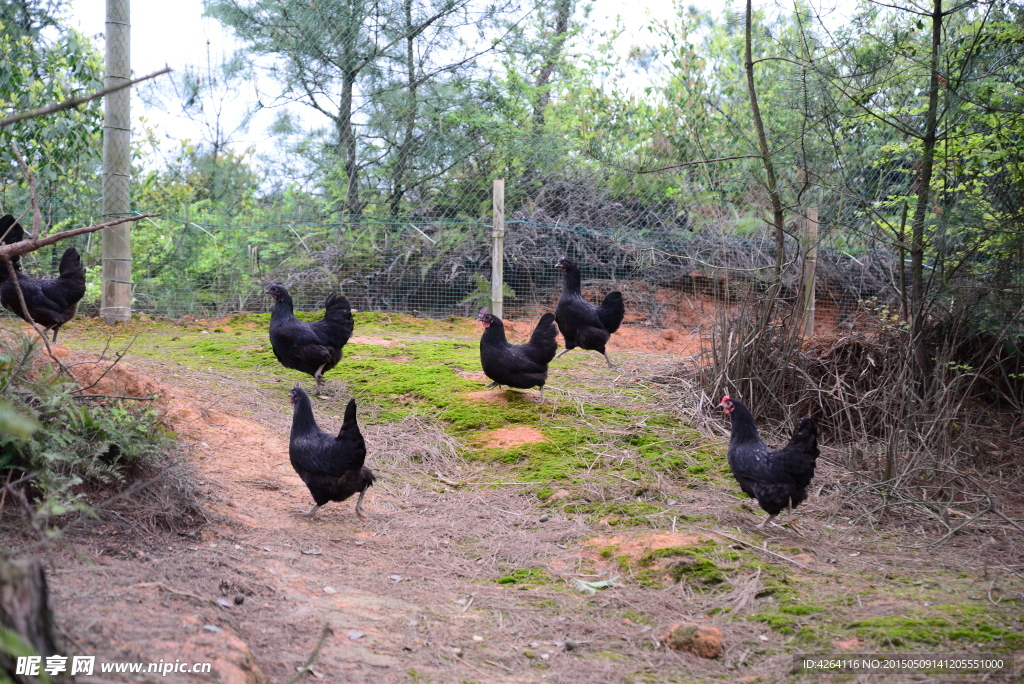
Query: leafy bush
x,y
66,443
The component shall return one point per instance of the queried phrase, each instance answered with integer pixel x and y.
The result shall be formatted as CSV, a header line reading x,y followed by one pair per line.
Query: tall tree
x,y
324,54
43,61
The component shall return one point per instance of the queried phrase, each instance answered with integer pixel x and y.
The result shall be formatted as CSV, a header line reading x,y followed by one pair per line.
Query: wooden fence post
x,y
498,250
810,264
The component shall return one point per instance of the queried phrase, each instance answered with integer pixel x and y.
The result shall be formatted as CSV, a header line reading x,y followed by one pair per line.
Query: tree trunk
x,y
347,142
769,168
563,13
25,610
412,105
917,294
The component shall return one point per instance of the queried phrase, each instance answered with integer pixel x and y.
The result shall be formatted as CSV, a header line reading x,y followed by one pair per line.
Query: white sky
x,y
176,34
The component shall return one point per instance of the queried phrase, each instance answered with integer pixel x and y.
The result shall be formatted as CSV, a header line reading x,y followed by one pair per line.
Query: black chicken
x,y
777,479
50,302
313,348
332,467
581,323
517,365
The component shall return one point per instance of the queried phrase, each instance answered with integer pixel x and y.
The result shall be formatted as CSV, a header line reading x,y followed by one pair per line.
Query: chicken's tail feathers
x,y
13,230
805,437
338,312
612,311
71,264
350,417
543,338
368,478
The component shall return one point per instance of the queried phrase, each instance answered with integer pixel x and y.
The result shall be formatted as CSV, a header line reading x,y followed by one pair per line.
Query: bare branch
x,y
73,102
26,246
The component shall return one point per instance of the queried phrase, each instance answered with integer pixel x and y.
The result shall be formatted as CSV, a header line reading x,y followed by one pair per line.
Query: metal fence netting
x,y
382,189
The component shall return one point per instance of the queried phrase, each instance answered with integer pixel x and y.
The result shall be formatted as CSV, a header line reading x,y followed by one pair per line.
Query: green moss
x,y
525,576
799,609
932,630
688,563
900,630
638,618
608,551
624,513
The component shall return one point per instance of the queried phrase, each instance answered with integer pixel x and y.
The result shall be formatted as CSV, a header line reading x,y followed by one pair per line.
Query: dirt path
x,y
407,591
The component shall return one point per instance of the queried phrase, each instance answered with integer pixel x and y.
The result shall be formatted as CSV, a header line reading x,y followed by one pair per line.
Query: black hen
x,y
581,323
777,479
332,467
517,365
50,302
313,348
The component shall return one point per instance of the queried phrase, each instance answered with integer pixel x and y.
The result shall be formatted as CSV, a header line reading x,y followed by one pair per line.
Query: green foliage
x,y
42,62
65,442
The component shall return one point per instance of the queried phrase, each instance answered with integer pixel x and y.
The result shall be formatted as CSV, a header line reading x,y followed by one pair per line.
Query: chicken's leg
x,y
563,353
319,376
359,504
767,520
541,395
493,384
607,360
790,521
310,512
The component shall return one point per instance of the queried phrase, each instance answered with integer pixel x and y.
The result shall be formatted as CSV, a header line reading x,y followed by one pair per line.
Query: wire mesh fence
x,y
212,266
661,195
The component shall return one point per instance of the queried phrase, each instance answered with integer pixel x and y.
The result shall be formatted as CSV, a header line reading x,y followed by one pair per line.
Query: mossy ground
x,y
612,448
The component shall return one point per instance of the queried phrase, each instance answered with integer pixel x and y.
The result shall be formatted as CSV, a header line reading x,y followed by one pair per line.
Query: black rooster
x,y
777,479
517,365
50,302
332,467
581,323
313,348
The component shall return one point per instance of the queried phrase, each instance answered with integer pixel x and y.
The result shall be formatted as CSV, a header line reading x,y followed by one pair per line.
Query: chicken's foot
x,y
493,384
310,512
607,360
767,520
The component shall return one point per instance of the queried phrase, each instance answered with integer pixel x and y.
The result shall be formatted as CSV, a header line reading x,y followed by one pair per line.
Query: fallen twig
x,y
326,632
119,355
445,480
151,397
761,549
187,594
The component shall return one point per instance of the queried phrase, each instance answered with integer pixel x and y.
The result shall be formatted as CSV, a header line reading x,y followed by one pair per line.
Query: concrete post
x,y
116,299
